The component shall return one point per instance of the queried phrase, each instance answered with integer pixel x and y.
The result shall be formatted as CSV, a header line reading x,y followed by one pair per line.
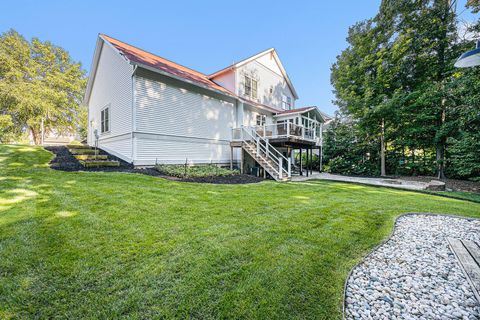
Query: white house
x,y
145,110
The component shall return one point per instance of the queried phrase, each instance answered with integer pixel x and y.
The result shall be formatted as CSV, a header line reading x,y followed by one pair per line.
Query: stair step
x,y
78,146
268,165
99,163
91,157
83,151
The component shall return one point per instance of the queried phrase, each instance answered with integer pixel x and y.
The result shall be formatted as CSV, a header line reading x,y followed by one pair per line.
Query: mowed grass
x,y
110,245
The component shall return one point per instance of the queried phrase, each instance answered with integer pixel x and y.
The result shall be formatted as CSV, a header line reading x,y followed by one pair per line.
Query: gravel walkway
x,y
414,275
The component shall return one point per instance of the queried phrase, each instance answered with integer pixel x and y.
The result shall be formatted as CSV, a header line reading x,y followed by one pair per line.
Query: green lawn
x,y
106,245
460,195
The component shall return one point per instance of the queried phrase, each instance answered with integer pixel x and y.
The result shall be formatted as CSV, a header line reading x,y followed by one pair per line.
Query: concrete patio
x,y
383,182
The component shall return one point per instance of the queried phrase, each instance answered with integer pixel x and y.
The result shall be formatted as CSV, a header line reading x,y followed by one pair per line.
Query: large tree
x,y
394,78
365,77
40,87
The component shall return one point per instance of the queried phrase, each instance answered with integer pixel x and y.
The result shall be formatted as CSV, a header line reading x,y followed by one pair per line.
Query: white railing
x,y
264,150
280,130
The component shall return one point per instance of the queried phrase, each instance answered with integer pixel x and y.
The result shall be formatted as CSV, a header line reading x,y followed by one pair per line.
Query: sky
x,y
205,35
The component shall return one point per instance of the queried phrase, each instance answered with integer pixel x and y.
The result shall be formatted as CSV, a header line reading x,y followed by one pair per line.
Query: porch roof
x,y
301,111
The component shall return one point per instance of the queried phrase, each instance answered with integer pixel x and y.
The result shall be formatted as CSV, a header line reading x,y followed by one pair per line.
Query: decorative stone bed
x,y
414,274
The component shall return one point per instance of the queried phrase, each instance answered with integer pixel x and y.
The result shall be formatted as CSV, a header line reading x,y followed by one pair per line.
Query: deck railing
x,y
279,130
264,150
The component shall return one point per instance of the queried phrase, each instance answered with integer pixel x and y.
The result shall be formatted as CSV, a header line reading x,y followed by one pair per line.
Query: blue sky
x,y
205,35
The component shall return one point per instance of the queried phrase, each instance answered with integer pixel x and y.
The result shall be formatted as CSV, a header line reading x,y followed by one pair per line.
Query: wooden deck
x,y
468,254
292,141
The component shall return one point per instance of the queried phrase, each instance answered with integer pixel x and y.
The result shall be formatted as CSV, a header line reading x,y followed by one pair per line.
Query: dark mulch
x,y
65,161
452,184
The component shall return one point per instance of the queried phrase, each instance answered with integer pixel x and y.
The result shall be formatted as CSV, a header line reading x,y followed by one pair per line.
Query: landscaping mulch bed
x,y
450,184
65,161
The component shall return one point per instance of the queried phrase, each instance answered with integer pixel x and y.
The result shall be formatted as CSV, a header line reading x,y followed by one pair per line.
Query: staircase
x,y
271,160
90,158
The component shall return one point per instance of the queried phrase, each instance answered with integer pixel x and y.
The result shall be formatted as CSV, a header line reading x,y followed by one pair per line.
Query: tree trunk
x,y
440,148
35,136
414,171
382,150
440,145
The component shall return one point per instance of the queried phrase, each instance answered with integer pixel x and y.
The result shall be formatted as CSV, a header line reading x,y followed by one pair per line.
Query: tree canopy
x,y
397,84
40,85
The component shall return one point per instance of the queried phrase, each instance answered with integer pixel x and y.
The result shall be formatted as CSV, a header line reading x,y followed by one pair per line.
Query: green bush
x,y
183,171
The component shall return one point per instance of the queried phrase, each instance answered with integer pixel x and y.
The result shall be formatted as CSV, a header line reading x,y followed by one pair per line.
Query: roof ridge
x,y
211,75
153,54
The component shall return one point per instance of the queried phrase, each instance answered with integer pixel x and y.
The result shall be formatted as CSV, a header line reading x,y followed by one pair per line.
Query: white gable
x,y
269,61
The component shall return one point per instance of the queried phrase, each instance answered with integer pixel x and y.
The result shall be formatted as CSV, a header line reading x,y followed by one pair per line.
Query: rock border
x,y
385,241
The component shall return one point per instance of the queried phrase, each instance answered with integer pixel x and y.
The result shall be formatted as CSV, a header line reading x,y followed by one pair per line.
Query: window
x,y
254,89
105,120
261,119
248,86
286,102
251,86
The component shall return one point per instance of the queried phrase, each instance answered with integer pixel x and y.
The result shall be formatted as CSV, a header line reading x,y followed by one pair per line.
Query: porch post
x,y
241,160
289,168
231,158
301,169
280,167
311,161
306,160
320,158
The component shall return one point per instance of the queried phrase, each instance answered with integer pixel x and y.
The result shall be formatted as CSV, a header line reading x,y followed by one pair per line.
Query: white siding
x,y
120,146
112,87
250,117
267,79
151,149
269,61
226,80
173,124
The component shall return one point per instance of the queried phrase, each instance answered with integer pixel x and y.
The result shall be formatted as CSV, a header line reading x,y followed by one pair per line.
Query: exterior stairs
x,y
90,157
265,162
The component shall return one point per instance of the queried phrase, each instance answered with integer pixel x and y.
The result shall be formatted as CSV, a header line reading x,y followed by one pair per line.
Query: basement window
x,y
105,120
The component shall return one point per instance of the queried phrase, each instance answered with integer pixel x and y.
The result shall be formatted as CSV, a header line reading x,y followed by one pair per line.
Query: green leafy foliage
x,y
186,171
39,83
398,70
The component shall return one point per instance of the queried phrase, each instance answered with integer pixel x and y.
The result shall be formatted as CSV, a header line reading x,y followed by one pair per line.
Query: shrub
x,y
183,171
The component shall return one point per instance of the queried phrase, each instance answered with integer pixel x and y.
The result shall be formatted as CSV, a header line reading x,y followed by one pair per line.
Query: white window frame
x,y
250,87
254,89
286,102
261,120
103,120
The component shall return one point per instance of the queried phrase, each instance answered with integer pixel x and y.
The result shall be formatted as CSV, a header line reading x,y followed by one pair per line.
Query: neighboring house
x,y
55,138
146,110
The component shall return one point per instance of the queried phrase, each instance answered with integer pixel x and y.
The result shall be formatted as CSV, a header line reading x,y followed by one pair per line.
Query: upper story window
x,y
286,102
261,118
105,120
250,86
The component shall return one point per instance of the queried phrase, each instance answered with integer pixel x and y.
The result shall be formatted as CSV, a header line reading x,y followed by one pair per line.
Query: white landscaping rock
x,y
414,275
